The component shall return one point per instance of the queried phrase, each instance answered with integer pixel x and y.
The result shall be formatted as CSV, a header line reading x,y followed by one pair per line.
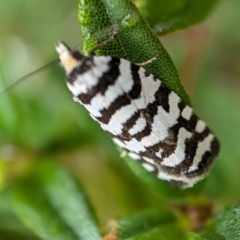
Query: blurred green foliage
x,y
41,128
169,17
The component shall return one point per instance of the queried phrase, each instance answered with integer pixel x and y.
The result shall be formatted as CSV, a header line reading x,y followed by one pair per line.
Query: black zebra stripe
x,y
108,78
124,99
86,65
137,87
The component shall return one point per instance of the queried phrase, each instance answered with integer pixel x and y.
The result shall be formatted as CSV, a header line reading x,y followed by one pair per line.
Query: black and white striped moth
x,y
142,115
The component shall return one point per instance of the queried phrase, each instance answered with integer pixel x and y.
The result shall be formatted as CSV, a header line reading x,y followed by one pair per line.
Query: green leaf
x,y
210,235
135,40
225,226
168,16
53,205
205,235
227,223
193,236
166,232
97,18
140,222
10,226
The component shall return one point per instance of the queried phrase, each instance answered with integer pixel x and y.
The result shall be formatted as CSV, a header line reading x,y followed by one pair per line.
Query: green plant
x,y
42,129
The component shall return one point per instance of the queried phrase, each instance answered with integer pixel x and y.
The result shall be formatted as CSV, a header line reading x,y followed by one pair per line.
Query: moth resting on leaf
x,y
142,115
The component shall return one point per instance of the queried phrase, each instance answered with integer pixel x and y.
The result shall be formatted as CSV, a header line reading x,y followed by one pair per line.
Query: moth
x,y
142,115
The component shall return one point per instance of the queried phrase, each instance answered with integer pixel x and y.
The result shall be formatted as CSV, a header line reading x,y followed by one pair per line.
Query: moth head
x,y
69,59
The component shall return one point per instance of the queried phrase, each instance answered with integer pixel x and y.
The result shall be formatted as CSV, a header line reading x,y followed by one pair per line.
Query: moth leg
x,y
143,64
102,44
124,154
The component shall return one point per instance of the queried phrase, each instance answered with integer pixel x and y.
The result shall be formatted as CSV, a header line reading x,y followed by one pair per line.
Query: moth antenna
x,y
20,80
78,45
